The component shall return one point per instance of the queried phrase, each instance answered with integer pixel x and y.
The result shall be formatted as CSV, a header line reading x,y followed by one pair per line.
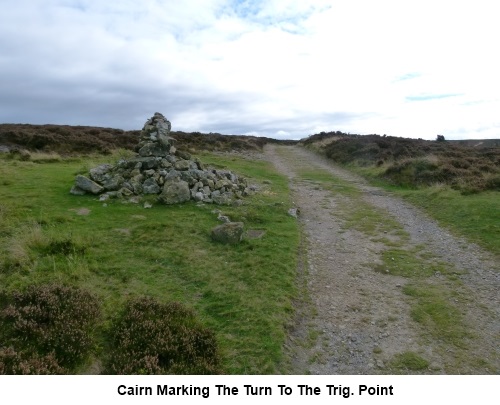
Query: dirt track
x,y
358,319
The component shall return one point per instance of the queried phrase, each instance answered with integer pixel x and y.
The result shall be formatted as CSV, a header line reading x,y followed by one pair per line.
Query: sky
x,y
285,69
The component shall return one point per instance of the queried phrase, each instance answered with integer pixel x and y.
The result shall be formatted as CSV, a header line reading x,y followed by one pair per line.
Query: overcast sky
x,y
278,68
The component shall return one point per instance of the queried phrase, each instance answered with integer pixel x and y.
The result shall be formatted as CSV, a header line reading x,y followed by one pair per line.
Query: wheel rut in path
x,y
359,319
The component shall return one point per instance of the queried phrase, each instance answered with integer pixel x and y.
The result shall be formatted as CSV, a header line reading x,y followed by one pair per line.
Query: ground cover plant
x,y
24,139
153,338
415,162
46,329
119,252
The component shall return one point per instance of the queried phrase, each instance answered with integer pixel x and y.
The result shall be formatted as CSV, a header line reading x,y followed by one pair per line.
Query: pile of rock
x,y
159,168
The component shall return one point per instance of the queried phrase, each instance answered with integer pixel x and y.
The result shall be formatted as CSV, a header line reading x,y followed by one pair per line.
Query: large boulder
x,y
98,173
175,192
85,184
230,233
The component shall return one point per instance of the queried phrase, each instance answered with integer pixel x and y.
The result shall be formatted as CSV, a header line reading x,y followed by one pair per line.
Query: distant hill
x,y
470,166
67,139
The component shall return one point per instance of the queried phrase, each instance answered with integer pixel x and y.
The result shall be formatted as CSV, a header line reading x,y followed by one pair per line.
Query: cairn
x,y
160,168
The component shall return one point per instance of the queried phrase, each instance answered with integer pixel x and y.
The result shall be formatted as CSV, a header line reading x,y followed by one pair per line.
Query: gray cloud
x,y
275,68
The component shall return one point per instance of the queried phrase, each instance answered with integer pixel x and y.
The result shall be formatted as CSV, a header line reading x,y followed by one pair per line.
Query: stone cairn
x,y
159,168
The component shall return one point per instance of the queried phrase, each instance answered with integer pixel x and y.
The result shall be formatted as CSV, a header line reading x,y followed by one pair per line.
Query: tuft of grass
x,y
433,310
409,263
409,361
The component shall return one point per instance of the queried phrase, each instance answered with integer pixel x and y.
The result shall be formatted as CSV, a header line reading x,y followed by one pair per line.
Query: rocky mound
x,y
159,168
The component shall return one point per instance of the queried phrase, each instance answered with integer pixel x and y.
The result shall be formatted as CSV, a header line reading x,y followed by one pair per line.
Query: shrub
x,y
51,322
413,172
493,182
154,338
12,362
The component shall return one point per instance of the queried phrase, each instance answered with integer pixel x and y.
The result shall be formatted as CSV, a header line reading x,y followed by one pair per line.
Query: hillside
x,y
468,166
67,139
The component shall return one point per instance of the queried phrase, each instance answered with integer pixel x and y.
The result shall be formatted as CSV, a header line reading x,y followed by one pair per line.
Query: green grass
x,y
409,361
243,293
329,182
476,216
432,309
412,264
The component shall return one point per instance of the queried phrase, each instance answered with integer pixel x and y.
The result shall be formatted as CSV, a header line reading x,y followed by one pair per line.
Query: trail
x,y
358,319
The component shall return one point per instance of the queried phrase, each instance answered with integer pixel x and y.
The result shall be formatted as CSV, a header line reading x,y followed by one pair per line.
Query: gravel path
x,y
358,320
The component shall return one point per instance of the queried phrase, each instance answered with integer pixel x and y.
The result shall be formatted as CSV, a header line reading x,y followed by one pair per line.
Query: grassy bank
x,y
120,251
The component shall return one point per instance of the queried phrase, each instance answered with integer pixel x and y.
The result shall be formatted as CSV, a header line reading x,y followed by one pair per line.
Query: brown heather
x,y
415,162
77,140
47,328
154,338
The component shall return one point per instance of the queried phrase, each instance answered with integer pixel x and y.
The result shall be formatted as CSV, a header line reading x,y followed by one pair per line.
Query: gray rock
x,y
182,165
173,175
114,183
85,184
223,218
136,183
229,233
153,149
146,162
125,192
223,198
75,190
175,192
150,186
97,173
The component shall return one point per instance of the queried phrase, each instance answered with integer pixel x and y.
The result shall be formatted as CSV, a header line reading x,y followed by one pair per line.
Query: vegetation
x,y
120,253
409,361
414,163
46,329
67,139
115,288
154,338
454,181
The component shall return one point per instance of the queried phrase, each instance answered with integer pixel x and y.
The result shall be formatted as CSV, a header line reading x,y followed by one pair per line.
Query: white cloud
x,y
272,68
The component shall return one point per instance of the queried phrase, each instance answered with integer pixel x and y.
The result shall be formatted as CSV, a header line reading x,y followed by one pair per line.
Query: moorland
x,y
93,287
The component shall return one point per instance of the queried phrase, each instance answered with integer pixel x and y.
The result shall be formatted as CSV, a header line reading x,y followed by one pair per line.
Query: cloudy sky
x,y
278,68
